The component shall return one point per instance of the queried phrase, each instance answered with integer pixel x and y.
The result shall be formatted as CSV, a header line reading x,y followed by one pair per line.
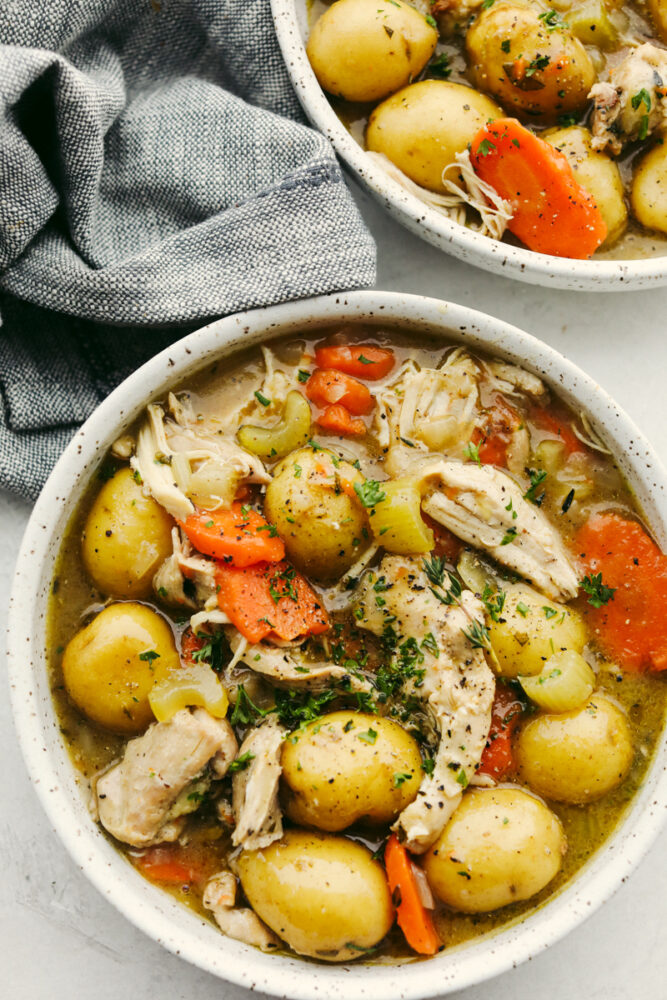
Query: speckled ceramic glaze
x,y
154,911
291,21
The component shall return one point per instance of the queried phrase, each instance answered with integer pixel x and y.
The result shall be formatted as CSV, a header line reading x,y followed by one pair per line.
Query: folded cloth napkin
x,y
155,172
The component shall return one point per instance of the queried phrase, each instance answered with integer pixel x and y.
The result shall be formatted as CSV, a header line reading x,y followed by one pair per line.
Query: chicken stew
x,y
356,646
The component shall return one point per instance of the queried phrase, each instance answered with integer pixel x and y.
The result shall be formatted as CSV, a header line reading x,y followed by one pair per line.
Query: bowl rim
x,y
50,770
457,240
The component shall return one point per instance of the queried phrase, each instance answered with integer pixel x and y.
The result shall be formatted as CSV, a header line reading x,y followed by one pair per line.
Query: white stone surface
x,y
59,939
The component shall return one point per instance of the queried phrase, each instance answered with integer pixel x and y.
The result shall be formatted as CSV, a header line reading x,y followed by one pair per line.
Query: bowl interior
x,y
292,29
51,771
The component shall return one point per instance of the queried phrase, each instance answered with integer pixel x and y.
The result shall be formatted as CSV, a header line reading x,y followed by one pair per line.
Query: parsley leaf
x,y
599,593
241,762
537,477
262,399
369,492
471,451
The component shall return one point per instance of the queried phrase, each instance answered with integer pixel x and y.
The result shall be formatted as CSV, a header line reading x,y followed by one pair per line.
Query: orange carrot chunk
x,y
337,420
240,536
168,864
413,918
269,598
361,360
549,420
631,628
327,386
552,213
498,756
494,438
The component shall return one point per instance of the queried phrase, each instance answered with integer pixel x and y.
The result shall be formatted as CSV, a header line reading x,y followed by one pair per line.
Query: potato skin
x,y
362,50
559,87
596,173
648,191
318,525
319,893
576,756
103,672
333,778
125,538
423,126
523,642
508,842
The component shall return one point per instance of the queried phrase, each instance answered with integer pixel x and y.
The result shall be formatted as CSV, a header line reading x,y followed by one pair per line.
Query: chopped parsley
x,y
262,399
400,777
522,609
303,375
505,45
428,765
509,536
537,477
471,451
245,710
369,736
431,21
494,602
598,592
215,652
369,492
241,762
149,655
440,66
552,20
549,612
537,64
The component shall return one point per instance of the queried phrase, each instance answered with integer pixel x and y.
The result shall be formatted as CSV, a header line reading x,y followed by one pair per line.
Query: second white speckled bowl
x,y
291,21
154,911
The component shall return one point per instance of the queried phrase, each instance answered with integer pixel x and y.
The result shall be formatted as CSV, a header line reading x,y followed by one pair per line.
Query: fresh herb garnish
x,y
262,399
537,477
400,777
599,593
369,492
471,451
241,762
215,652
552,20
494,602
509,536
369,736
440,66
149,655
478,636
303,375
245,710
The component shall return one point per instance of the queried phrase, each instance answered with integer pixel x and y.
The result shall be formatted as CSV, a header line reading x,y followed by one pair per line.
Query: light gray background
x,y
60,940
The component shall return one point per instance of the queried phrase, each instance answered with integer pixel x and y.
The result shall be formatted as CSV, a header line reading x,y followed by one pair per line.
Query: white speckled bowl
x,y
291,21
154,911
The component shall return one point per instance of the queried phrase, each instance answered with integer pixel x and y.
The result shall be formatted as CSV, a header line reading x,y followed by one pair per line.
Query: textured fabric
x,y
155,172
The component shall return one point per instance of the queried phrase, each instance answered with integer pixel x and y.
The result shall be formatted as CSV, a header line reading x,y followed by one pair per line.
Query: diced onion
x,y
423,888
187,687
565,682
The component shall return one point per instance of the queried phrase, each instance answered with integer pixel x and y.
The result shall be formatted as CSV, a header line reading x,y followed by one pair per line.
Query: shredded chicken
x,y
185,564
510,380
143,799
289,668
241,924
485,507
255,788
633,104
179,465
457,683
464,188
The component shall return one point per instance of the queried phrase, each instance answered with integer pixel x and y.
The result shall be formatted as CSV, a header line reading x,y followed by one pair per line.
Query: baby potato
x,y
576,756
658,9
324,895
125,538
109,667
534,70
648,192
500,846
312,503
364,50
596,173
531,629
423,126
349,766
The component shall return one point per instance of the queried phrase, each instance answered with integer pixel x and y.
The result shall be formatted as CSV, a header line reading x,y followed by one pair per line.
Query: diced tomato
x,y
240,536
361,360
631,628
498,756
337,420
270,598
327,386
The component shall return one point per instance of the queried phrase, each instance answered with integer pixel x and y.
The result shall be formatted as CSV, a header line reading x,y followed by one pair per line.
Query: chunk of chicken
x,y
457,684
242,924
255,788
510,380
633,104
485,507
179,464
142,800
185,565
289,668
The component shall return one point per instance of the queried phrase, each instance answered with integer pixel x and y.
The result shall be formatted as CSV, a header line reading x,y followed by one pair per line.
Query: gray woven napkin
x,y
155,172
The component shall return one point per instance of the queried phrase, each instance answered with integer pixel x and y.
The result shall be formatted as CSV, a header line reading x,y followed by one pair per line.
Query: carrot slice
x,y
550,420
494,438
168,865
240,536
413,918
498,756
552,213
361,360
327,386
631,627
269,598
337,420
